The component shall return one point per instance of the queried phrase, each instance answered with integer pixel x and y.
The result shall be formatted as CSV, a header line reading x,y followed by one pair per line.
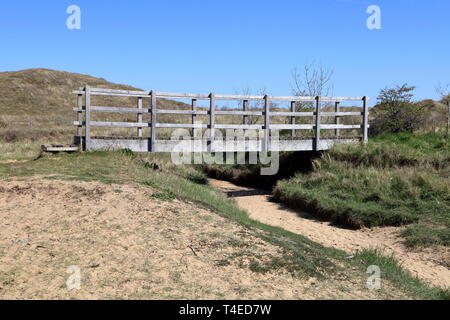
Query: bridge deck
x,y
141,144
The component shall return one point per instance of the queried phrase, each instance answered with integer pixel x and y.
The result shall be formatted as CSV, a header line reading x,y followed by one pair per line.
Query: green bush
x,y
395,111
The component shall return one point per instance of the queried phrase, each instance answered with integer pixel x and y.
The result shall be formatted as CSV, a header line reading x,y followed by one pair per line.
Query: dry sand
x,y
128,244
431,265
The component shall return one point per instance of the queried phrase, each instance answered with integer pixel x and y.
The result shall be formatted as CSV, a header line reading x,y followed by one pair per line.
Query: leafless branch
x,y
313,80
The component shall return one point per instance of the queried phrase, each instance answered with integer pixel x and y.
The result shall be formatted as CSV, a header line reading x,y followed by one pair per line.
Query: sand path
x,y
430,265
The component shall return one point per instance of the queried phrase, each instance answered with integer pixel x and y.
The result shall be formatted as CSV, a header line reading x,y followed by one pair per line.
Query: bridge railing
x,y
85,109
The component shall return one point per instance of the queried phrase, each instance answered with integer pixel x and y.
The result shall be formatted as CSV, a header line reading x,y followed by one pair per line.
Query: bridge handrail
x,y
143,94
86,108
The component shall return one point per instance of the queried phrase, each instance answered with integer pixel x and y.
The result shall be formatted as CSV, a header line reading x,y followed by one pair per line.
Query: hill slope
x,y
41,101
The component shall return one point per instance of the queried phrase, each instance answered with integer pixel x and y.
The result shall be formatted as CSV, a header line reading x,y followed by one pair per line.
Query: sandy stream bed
x,y
431,264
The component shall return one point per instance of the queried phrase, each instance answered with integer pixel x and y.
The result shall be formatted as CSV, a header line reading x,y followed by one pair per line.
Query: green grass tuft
x,y
392,271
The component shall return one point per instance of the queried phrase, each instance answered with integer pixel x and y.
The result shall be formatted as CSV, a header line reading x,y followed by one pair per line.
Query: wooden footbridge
x,y
211,140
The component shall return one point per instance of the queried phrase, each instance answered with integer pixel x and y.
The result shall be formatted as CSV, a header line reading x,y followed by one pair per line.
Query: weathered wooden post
x,y
80,120
337,108
317,127
245,105
293,133
212,119
194,115
139,116
153,123
87,91
265,146
365,128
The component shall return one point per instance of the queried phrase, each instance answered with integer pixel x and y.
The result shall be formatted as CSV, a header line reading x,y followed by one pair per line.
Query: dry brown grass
x,y
37,104
19,150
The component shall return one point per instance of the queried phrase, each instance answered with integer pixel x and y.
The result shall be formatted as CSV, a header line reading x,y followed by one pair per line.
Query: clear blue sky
x,y
217,45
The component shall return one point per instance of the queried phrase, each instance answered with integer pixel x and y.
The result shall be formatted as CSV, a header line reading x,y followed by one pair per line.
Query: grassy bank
x,y
394,180
397,179
302,257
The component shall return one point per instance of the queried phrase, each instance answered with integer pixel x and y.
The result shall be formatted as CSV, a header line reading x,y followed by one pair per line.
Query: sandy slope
x,y
431,265
128,244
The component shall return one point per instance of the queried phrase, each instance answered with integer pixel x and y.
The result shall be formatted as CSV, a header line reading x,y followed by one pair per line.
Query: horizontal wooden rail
x,y
187,112
132,93
183,95
340,126
115,94
240,126
239,113
313,126
113,110
181,125
292,126
102,90
292,114
228,112
218,126
114,124
341,114
311,114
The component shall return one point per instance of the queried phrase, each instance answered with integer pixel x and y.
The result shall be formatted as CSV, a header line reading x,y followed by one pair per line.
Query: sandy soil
x,y
129,244
431,265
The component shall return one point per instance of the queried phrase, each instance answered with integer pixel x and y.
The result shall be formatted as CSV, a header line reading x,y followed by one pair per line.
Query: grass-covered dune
x,y
394,180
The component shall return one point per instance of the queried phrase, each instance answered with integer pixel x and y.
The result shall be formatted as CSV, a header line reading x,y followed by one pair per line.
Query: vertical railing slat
x,y
317,129
139,116
266,123
337,108
365,119
245,108
194,109
87,134
153,121
212,119
80,120
293,133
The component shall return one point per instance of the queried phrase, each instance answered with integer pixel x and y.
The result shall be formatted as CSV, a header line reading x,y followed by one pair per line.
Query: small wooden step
x,y
55,148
